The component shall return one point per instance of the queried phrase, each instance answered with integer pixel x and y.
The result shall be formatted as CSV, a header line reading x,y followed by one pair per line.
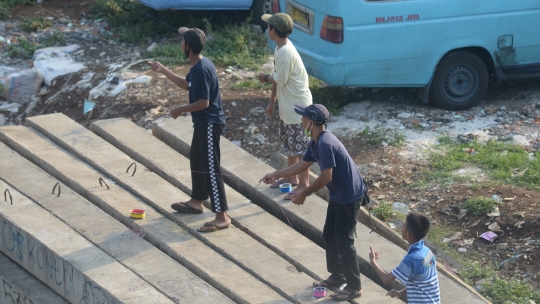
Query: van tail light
x,y
332,29
275,7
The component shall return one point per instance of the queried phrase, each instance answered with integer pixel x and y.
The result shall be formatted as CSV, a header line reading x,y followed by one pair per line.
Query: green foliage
x,y
504,162
6,6
377,135
22,50
54,39
35,24
479,205
383,211
250,84
497,290
333,98
169,55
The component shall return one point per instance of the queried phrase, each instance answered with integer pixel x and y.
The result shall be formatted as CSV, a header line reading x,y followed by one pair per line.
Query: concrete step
x,y
19,286
280,237
308,219
163,233
121,243
65,261
276,272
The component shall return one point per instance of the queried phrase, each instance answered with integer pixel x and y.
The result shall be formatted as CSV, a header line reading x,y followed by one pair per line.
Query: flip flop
x,y
185,208
277,183
345,296
288,196
327,284
212,228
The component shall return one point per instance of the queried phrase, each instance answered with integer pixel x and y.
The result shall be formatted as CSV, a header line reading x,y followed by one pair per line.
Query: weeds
x,y
497,290
22,50
378,135
6,6
383,211
250,84
504,162
479,205
35,24
169,55
55,39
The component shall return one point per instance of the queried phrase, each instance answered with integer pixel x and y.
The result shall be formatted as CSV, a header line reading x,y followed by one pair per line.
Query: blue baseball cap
x,y
316,112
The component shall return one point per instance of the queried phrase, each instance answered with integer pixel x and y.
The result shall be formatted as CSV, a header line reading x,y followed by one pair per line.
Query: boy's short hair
x,y
280,33
417,224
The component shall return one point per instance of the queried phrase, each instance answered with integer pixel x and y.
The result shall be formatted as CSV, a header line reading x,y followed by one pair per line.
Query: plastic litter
x,y
88,106
400,207
53,62
19,86
489,236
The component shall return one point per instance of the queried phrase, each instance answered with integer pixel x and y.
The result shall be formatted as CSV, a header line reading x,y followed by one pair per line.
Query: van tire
x,y
259,8
460,81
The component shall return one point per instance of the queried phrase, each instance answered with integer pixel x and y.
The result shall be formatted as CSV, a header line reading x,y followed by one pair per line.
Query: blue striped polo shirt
x,y
418,272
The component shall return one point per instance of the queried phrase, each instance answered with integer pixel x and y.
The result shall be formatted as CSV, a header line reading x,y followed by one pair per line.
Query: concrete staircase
x,y
93,250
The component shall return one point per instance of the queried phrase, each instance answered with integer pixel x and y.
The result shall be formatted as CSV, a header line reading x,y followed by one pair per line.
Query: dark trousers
x,y
205,158
338,232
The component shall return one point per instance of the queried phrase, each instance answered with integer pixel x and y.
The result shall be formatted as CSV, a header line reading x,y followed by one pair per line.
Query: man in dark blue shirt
x,y
208,122
347,188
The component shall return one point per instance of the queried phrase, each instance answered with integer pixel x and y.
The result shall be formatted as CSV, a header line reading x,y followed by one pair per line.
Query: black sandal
x,y
327,284
346,295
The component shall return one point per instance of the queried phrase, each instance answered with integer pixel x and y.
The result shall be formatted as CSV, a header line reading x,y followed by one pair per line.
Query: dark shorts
x,y
295,143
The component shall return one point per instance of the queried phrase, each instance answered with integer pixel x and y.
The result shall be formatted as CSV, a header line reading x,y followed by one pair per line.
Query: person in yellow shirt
x,y
290,86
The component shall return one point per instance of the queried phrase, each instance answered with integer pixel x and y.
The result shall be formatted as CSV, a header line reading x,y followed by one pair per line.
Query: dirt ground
x,y
385,166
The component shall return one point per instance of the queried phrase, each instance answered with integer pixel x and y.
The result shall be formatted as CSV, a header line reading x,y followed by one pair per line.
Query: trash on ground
x,y
462,213
462,250
489,236
494,227
400,207
53,62
88,106
19,86
495,212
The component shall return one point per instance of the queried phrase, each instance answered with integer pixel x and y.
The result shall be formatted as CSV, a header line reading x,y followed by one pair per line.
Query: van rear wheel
x,y
261,7
460,82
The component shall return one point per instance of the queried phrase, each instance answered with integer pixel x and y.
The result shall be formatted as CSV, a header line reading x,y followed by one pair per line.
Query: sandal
x,y
183,207
277,183
327,284
346,295
212,228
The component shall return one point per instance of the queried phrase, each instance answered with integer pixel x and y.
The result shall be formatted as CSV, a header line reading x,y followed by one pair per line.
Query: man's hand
x,y
269,178
156,66
373,255
298,198
176,112
271,109
261,77
394,293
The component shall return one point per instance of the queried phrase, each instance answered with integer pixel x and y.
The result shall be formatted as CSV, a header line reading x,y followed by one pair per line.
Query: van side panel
x,y
399,43
198,4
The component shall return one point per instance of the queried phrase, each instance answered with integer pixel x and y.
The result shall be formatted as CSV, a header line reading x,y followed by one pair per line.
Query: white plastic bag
x,y
56,61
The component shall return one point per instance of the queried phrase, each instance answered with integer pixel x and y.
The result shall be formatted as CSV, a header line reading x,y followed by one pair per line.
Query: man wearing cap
x,y
208,121
346,187
290,86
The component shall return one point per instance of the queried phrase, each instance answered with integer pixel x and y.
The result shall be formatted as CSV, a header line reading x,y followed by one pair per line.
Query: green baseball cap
x,y
281,21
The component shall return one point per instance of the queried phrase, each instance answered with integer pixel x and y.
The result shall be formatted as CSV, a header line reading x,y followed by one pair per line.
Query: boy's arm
x,y
199,105
386,277
179,81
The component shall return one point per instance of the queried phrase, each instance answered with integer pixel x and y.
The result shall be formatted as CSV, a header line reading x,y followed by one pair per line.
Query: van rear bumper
x,y
328,69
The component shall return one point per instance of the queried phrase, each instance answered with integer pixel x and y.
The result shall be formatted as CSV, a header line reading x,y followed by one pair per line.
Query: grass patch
x,y
377,135
22,50
35,24
250,84
383,211
504,162
6,6
479,205
333,98
55,39
496,289
169,55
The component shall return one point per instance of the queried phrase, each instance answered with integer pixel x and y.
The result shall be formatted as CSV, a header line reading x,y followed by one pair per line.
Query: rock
x,y
404,115
63,20
257,111
228,71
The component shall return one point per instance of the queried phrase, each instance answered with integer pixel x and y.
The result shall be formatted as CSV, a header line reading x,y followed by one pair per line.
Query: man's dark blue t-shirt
x,y
203,84
346,185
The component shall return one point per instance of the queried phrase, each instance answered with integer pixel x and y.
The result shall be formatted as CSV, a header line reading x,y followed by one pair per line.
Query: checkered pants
x,y
205,157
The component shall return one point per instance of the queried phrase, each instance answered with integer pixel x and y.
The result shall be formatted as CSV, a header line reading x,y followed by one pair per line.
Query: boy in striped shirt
x,y
417,270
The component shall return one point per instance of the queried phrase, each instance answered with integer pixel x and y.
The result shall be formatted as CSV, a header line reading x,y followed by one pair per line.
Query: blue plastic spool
x,y
285,188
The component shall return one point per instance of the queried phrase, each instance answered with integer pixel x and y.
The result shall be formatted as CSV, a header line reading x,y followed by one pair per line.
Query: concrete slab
x,y
194,254
121,243
65,261
308,219
167,163
19,286
276,272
